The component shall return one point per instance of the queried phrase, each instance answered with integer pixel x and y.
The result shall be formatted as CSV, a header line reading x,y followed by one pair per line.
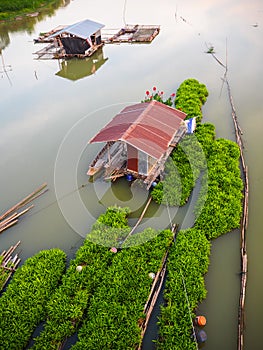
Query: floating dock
x,y
132,34
54,51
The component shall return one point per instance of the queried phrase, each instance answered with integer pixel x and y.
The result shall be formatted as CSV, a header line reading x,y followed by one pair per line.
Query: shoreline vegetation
x,y
15,9
101,295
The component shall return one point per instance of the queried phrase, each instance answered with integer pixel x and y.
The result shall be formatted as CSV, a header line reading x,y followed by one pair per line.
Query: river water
x,y
48,114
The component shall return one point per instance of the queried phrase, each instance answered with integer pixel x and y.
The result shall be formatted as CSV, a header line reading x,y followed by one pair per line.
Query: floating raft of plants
x,y
133,34
8,264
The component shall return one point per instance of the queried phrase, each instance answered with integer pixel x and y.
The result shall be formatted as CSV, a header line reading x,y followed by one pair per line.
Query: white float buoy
x,y
152,275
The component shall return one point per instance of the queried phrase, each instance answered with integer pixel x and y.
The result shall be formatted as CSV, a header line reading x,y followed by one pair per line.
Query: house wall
x,y
132,158
74,45
138,161
142,163
96,38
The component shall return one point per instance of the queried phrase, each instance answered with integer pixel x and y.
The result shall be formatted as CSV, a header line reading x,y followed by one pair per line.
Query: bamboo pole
x,y
6,221
12,248
9,225
24,201
155,290
244,220
140,218
14,217
6,259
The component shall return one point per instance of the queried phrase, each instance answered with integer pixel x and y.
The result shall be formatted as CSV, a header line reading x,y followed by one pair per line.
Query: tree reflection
x,y
27,22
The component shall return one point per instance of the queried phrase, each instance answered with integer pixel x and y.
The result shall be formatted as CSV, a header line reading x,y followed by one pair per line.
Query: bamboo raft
x,y
133,34
45,37
53,51
11,216
8,264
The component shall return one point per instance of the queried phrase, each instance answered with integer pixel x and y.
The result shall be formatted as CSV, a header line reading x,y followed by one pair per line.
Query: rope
x,y
124,12
170,219
189,310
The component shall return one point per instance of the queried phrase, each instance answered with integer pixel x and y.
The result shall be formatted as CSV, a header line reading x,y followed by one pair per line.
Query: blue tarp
x,y
191,125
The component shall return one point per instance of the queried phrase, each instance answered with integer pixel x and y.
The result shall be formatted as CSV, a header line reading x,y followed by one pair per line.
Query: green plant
x,y
23,304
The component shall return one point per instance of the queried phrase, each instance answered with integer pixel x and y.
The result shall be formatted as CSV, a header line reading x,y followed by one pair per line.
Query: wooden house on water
x,y
81,40
138,141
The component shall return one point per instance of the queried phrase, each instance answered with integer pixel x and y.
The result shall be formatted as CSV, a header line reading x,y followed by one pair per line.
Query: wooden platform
x,y
52,51
45,37
133,34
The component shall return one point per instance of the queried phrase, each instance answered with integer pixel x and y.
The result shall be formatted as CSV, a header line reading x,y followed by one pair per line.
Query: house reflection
x,y
75,68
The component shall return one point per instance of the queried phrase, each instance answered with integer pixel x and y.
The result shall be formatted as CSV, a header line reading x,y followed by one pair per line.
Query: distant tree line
x,y
10,9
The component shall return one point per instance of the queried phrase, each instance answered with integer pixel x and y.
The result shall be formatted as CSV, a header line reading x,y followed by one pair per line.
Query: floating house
x,y
80,40
138,141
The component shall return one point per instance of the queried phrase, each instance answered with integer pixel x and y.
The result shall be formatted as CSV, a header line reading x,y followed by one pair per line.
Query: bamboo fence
x,y
244,219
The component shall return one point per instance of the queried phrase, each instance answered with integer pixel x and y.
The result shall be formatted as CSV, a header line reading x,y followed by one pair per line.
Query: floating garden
x,y
23,304
102,294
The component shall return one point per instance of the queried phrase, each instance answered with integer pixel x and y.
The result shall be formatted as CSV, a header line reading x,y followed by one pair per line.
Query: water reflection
x,y
75,69
27,23
5,68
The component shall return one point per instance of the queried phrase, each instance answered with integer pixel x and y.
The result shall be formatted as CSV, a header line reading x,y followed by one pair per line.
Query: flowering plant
x,y
158,96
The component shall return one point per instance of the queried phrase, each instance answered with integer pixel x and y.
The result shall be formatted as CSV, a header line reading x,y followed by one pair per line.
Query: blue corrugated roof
x,y
83,29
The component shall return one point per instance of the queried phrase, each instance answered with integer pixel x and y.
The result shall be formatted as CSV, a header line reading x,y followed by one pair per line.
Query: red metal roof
x,y
149,127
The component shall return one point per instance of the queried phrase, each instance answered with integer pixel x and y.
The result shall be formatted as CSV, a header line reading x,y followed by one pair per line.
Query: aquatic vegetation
x,y
223,200
190,97
188,261
217,211
23,304
117,304
67,306
188,157
105,290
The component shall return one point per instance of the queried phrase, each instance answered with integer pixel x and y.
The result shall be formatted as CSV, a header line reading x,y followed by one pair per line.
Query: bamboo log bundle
x,y
10,217
8,264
